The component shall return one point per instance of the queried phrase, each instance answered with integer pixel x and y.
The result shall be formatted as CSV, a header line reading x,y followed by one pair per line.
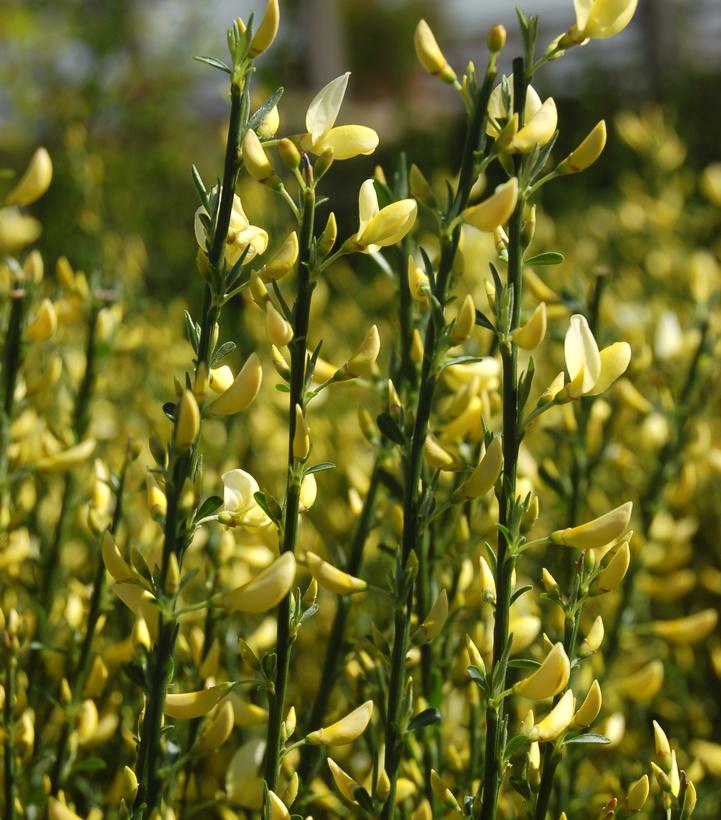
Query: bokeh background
x,y
111,89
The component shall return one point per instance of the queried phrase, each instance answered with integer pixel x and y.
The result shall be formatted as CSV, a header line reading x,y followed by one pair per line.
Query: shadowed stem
x,y
493,762
298,354
414,465
160,660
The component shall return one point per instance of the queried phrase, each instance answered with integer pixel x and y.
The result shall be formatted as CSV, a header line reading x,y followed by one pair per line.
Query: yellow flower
x,y
588,711
435,619
539,120
587,152
494,211
267,30
343,781
241,234
549,679
34,182
379,228
282,261
556,721
599,19
187,422
241,392
486,472
362,362
637,795
44,324
188,705
345,141
17,229
429,54
690,629
256,161
332,578
530,335
345,730
598,532
265,591
240,509
591,372
616,569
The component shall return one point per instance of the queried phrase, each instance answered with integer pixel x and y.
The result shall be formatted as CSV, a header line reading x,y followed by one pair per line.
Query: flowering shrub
x,y
426,548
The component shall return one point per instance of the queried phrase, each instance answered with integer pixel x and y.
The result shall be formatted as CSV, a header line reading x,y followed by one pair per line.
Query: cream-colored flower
x,y
591,371
539,120
239,490
599,19
381,227
241,234
346,141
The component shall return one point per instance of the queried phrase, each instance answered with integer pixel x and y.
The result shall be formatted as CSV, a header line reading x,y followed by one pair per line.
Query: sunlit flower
x,y
239,490
241,234
345,141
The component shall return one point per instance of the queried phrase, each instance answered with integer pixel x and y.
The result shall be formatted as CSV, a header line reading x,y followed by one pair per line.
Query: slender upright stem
x,y
552,755
160,660
11,365
414,463
511,440
9,729
298,355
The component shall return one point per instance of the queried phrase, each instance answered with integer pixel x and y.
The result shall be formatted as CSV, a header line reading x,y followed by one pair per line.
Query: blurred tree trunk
x,y
324,41
659,19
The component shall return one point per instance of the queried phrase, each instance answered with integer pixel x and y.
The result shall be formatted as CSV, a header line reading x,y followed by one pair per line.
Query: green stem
x,y
298,354
493,762
11,366
160,660
9,730
551,755
412,497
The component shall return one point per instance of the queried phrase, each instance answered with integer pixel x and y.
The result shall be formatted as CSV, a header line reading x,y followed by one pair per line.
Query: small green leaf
x,y
390,429
514,744
425,718
523,663
208,507
211,61
319,468
589,738
547,258
266,108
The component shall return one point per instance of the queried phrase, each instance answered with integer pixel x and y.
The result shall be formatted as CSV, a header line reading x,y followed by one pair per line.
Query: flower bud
x,y
587,152
187,422
362,363
494,211
598,532
282,261
242,392
429,54
496,39
301,437
278,329
289,153
345,730
465,321
34,182
256,162
332,578
530,335
330,233
267,30
549,679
